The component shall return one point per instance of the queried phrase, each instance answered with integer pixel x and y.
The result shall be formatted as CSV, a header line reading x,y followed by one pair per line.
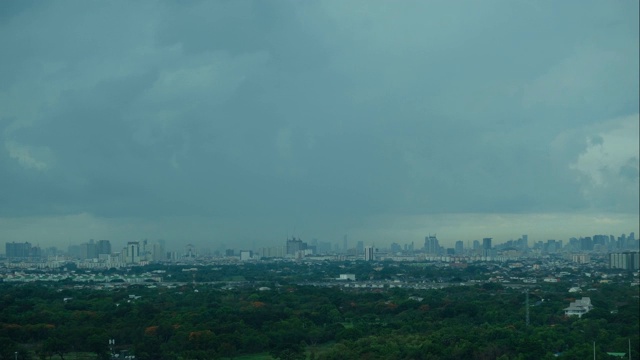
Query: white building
x,y
579,307
351,277
368,253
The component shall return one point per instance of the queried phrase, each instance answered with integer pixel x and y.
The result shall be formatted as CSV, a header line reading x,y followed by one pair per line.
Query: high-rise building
x,y
586,243
133,252
89,250
359,248
486,247
158,252
15,250
600,240
294,245
103,247
459,250
627,260
431,245
368,253
550,246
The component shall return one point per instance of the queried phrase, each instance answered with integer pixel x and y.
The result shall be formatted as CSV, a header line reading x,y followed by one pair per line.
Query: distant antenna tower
x,y
527,305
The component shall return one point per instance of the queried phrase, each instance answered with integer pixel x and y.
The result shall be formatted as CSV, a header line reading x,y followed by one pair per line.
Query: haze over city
x,y
246,122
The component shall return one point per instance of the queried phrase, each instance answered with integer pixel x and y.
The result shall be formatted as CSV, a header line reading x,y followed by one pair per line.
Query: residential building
x,y
368,253
627,260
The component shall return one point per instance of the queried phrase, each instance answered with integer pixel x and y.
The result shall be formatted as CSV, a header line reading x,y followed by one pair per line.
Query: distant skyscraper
x,y
368,253
359,248
459,250
15,250
158,252
294,245
586,243
431,245
486,247
476,245
89,250
103,247
133,252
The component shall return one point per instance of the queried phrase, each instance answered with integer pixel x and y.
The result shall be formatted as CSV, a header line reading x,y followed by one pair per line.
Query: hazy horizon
x,y
244,122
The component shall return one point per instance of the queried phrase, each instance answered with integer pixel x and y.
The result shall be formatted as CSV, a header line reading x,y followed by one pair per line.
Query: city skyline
x,y
431,245
246,122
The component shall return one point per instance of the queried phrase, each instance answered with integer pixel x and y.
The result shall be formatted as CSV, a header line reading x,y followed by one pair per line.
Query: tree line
x,y
290,321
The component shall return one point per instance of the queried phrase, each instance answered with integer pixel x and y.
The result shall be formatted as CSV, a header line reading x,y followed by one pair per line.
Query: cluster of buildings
x,y
92,254
622,252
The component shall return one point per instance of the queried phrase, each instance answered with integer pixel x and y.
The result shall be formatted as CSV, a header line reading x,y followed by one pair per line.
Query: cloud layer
x,y
324,113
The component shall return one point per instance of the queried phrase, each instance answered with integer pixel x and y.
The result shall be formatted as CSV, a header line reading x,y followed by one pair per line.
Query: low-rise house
x,y
579,307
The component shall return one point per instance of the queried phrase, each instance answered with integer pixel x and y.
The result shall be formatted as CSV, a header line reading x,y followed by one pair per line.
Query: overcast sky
x,y
244,122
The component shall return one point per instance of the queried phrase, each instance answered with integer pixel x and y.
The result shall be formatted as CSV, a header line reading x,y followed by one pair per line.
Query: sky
x,y
240,123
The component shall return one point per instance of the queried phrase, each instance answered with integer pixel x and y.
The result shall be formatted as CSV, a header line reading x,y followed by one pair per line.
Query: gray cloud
x,y
326,113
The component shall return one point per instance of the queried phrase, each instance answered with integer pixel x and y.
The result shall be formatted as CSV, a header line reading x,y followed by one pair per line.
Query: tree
x,y
98,344
289,352
56,345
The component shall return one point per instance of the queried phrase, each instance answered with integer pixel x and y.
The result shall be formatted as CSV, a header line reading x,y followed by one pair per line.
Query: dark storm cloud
x,y
316,111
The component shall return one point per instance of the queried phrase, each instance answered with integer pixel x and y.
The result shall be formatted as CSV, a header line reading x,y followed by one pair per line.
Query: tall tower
x,y
133,252
103,247
486,247
368,253
158,252
431,245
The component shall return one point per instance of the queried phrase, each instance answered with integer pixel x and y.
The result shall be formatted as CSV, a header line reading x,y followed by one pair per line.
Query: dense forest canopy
x,y
287,320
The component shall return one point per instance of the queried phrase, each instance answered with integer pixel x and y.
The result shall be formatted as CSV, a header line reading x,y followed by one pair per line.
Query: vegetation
x,y
296,322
